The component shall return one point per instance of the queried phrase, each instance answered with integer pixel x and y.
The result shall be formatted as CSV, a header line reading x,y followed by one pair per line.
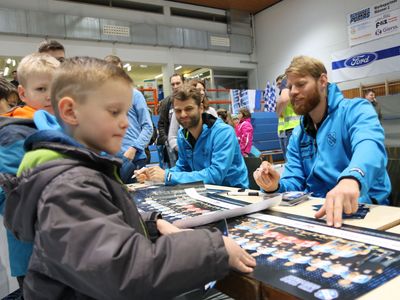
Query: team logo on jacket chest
x,y
331,138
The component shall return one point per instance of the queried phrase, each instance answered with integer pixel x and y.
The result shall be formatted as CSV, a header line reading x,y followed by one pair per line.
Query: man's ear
x,y
201,107
323,80
66,111
21,93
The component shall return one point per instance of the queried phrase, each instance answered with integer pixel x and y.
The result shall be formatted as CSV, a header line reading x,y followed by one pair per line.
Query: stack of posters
x,y
192,205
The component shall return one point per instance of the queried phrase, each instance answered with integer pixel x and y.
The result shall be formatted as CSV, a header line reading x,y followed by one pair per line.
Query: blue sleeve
x,y
223,146
144,120
10,157
367,145
293,178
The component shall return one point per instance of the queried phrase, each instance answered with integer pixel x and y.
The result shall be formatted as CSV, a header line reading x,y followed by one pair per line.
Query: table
x,y
395,229
380,217
241,286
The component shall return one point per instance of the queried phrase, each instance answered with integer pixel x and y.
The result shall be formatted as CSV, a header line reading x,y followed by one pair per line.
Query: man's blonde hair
x,y
77,76
35,64
305,65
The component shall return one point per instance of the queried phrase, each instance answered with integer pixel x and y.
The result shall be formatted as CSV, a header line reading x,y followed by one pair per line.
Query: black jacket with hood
x,y
89,239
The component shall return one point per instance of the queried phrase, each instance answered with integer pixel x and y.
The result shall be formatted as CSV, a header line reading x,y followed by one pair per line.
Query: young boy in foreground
x,y
89,239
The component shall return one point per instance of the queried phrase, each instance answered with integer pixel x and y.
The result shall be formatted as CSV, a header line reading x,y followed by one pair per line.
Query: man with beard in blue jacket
x,y
336,152
208,148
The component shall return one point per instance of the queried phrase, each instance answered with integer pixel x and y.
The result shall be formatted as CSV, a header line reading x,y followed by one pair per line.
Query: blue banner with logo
x,y
366,60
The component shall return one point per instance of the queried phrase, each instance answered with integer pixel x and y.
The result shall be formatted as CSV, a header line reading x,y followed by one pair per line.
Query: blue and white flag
x,y
269,98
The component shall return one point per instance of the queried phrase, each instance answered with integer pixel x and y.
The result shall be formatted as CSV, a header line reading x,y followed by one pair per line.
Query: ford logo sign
x,y
360,60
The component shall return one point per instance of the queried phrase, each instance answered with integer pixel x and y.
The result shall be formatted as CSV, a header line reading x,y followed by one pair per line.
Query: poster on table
x,y
310,260
373,58
374,22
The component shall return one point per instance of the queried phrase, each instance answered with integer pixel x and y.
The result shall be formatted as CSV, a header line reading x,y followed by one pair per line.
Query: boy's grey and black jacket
x,y
89,239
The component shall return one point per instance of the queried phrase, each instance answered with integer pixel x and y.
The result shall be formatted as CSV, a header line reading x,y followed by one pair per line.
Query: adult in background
x,y
15,78
287,118
6,89
53,48
208,148
244,131
370,96
174,126
338,150
138,134
166,153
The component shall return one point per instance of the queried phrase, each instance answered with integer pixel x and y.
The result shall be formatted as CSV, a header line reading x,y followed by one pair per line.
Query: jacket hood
x,y
23,192
335,96
45,121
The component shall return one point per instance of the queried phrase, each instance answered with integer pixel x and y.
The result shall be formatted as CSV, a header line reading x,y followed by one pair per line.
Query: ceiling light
x,y
158,76
6,70
143,66
129,68
126,65
14,62
178,67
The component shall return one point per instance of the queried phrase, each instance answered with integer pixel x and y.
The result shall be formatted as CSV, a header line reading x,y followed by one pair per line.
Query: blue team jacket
x,y
215,159
13,133
349,143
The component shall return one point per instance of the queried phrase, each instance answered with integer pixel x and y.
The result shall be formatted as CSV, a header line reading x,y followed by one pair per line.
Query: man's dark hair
x,y
6,88
367,91
188,92
15,71
51,45
175,75
280,77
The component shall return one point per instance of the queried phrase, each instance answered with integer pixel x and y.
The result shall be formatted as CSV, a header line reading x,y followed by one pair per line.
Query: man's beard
x,y
308,105
193,122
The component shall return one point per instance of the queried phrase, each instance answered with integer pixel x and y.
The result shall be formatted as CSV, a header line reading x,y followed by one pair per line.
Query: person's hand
x,y
130,153
155,174
141,175
267,177
165,227
239,259
343,197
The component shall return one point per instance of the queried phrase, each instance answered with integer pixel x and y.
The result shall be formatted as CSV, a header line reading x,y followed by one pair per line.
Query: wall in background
x,y
309,27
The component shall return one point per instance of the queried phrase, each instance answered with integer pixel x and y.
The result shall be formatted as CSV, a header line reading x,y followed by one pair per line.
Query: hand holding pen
x,y
267,177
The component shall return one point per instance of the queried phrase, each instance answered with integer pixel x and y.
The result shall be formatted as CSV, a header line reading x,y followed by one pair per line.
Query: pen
x,y
138,172
243,193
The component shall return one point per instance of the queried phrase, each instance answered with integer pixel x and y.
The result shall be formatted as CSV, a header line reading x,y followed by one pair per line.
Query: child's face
x,y
102,118
36,92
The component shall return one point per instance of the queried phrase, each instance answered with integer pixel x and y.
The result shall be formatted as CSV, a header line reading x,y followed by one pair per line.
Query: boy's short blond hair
x,y
34,64
305,65
77,76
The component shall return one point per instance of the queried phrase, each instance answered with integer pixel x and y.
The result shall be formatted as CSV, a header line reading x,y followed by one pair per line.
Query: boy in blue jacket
x,y
89,240
35,72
